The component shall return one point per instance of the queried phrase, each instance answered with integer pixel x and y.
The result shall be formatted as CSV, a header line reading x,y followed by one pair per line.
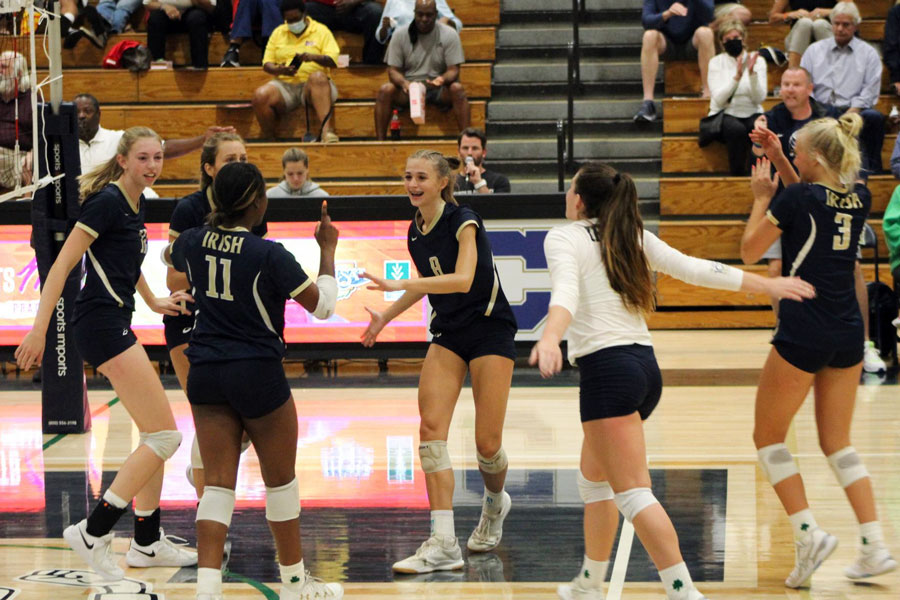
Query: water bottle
x,y
395,125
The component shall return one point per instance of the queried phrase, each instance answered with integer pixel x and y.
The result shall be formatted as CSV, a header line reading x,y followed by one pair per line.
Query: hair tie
x,y
617,179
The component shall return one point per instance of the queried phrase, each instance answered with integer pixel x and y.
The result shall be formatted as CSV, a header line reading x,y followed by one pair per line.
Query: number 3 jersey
x,y
434,252
821,229
240,283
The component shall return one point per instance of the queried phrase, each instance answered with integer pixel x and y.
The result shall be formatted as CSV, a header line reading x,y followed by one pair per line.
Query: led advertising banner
x,y
375,246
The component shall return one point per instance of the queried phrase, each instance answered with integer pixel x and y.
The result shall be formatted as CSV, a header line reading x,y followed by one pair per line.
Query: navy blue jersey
x,y
115,256
191,211
821,228
240,284
434,253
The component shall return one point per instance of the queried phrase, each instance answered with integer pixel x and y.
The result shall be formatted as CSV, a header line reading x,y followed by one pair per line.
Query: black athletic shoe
x,y
72,38
231,58
647,112
95,27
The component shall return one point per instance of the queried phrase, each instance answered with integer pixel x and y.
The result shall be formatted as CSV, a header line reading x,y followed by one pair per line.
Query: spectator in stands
x,y
296,182
728,10
737,83
429,52
674,30
474,178
890,45
300,54
267,11
808,20
15,84
353,16
895,159
194,17
398,14
846,74
87,22
891,228
117,13
97,145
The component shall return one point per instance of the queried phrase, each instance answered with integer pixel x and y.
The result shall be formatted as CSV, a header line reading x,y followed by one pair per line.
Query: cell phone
x,y
295,64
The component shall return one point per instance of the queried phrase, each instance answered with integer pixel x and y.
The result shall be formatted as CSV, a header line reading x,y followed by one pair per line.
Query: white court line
x,y
620,564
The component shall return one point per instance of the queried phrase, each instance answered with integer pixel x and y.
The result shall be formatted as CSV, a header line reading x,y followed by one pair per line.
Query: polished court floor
x,y
364,503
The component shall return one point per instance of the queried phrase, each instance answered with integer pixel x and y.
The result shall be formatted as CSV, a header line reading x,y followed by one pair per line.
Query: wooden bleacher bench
x,y
682,115
343,159
681,154
233,84
372,187
869,9
686,196
352,120
683,77
767,34
478,44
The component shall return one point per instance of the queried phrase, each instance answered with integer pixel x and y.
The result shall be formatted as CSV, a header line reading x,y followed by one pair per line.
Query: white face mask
x,y
298,27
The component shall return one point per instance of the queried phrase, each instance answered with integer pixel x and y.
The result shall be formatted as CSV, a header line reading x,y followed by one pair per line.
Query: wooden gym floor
x,y
364,502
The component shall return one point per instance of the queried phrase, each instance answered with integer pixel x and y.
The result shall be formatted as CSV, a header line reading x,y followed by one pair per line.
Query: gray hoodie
x,y
309,189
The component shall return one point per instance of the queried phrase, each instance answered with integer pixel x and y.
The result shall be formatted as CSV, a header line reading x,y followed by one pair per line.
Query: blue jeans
x,y
117,13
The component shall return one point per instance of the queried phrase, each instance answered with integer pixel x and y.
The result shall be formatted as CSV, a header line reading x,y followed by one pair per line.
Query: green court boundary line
x,y
60,436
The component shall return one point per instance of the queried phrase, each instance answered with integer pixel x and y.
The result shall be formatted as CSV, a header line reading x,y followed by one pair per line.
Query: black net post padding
x,y
54,209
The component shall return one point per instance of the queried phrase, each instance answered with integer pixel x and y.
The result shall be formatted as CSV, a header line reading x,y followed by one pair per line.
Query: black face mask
x,y
734,47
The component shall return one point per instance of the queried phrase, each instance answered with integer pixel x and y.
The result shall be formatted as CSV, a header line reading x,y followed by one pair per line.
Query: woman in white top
x,y
600,269
740,76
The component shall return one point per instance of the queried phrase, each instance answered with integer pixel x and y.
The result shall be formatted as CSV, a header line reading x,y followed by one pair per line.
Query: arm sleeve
x,y
98,214
177,251
330,46
696,271
182,218
285,273
721,80
562,260
891,225
453,50
462,218
890,45
501,186
784,205
394,55
269,54
651,19
871,87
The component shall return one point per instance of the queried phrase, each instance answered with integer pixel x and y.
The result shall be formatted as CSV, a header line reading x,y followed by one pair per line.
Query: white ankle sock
x,y
293,576
442,523
592,574
70,17
802,522
209,581
493,500
115,500
871,534
677,581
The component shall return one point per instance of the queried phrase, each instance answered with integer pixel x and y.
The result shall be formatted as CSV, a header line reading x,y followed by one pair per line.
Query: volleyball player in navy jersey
x,y
473,329
600,271
110,230
236,381
191,211
817,344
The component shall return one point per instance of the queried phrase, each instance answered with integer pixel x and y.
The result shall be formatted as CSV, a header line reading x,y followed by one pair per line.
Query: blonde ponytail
x,y
95,180
833,144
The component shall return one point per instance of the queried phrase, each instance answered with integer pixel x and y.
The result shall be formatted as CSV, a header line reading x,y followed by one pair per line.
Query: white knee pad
x,y
283,502
493,465
434,456
594,491
217,504
847,466
631,502
163,443
776,462
196,461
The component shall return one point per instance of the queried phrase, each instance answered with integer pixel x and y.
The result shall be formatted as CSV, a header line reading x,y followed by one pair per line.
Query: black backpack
x,y
882,306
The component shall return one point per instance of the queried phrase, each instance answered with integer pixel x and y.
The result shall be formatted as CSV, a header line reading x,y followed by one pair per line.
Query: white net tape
x,y
11,6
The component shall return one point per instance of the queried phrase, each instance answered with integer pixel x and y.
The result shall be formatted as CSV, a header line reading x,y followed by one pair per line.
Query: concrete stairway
x,y
528,94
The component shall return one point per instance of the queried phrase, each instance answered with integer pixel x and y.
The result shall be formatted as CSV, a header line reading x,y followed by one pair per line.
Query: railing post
x,y
577,11
561,154
570,109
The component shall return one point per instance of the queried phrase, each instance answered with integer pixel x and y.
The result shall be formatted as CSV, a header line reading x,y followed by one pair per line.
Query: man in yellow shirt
x,y
300,54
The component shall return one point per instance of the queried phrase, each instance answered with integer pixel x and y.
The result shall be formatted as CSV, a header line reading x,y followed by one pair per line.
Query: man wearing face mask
x,y
737,85
300,54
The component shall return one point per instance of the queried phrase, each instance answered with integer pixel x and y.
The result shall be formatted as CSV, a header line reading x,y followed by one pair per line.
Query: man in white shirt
x,y
97,145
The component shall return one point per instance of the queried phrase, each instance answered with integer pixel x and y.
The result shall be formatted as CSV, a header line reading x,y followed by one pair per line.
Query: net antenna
x,y
18,64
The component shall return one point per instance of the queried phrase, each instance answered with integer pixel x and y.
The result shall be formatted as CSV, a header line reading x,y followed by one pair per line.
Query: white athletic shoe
x,y
167,551
810,553
313,589
95,551
872,362
574,591
877,561
487,534
437,553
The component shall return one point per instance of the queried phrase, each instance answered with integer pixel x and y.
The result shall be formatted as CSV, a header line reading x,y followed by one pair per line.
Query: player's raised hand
x,y
376,324
762,181
326,233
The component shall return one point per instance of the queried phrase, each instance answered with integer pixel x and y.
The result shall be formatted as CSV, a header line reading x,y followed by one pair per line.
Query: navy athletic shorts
x,y
252,387
813,361
482,337
178,330
103,333
618,381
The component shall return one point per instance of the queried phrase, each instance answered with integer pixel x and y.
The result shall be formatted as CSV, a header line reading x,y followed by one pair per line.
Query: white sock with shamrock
x,y
802,522
592,574
292,576
677,582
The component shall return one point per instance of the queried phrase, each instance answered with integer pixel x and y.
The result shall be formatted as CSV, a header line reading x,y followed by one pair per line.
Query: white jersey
x,y
599,316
